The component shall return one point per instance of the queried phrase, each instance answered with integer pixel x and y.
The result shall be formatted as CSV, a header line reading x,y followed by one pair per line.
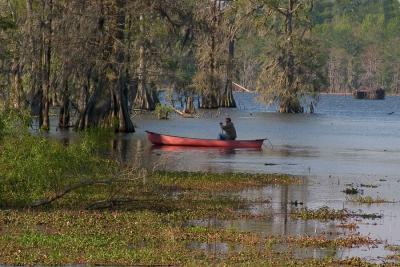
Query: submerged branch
x,y
66,191
71,188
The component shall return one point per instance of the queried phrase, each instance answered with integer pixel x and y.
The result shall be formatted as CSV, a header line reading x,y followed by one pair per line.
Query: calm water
x,y
345,137
345,142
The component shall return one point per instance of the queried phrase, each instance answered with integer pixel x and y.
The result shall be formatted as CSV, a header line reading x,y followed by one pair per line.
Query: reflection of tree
x,y
284,207
120,148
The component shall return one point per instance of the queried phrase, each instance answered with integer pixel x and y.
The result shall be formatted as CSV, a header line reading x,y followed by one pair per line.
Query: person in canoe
x,y
229,131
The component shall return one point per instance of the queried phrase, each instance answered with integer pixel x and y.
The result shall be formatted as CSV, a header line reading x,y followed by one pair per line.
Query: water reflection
x,y
216,249
187,149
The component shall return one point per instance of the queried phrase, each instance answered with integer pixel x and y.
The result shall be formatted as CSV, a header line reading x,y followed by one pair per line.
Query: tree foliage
x,y
95,61
360,38
293,66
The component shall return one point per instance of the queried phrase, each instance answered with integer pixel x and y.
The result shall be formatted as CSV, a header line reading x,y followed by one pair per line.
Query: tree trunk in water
x,y
210,98
146,98
98,108
209,101
189,106
227,99
290,105
44,124
64,115
17,92
35,92
108,106
132,90
84,95
289,102
290,59
120,88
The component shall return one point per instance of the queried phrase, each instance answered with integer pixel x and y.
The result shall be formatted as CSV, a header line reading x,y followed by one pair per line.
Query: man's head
x,y
228,120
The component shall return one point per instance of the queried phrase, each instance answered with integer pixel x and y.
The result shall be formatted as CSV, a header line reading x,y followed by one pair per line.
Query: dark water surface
x,y
345,142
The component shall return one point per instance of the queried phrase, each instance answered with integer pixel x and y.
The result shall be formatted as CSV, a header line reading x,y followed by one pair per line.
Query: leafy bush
x,y
162,111
14,122
2,125
34,167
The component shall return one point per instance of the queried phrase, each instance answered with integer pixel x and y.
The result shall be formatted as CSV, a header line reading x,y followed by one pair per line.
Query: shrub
x,y
35,167
14,122
162,111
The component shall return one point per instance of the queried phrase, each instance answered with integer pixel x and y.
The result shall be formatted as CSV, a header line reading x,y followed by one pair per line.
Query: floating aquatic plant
x,y
351,191
369,200
324,213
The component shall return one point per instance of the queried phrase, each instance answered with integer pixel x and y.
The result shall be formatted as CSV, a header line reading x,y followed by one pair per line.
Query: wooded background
x,y
104,58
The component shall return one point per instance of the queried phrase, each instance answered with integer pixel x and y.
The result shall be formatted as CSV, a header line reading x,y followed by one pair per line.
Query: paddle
x,y
272,147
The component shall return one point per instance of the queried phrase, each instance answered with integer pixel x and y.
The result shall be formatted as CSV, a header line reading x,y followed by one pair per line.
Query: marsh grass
x,y
33,167
351,191
328,214
349,241
221,182
369,200
14,122
323,213
369,185
352,226
393,248
395,257
141,237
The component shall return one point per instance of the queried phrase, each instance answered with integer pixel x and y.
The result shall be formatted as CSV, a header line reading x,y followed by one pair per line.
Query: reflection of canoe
x,y
198,149
170,140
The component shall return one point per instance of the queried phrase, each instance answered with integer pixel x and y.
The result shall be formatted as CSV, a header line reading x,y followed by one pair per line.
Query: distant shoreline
x,y
350,94
344,94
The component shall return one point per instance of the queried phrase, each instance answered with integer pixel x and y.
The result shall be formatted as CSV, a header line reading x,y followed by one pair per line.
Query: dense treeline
x,y
358,40
362,38
99,60
104,58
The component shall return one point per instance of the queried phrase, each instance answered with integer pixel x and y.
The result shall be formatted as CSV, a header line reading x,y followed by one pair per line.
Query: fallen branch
x,y
241,87
109,203
183,114
71,188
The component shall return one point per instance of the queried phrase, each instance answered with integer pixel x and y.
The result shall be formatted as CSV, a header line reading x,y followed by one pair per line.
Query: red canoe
x,y
170,140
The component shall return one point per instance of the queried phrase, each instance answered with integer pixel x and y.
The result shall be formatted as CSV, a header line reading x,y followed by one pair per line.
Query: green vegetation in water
x,y
34,168
324,213
370,200
322,241
222,182
162,111
393,248
351,191
352,226
395,257
144,237
369,185
14,122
